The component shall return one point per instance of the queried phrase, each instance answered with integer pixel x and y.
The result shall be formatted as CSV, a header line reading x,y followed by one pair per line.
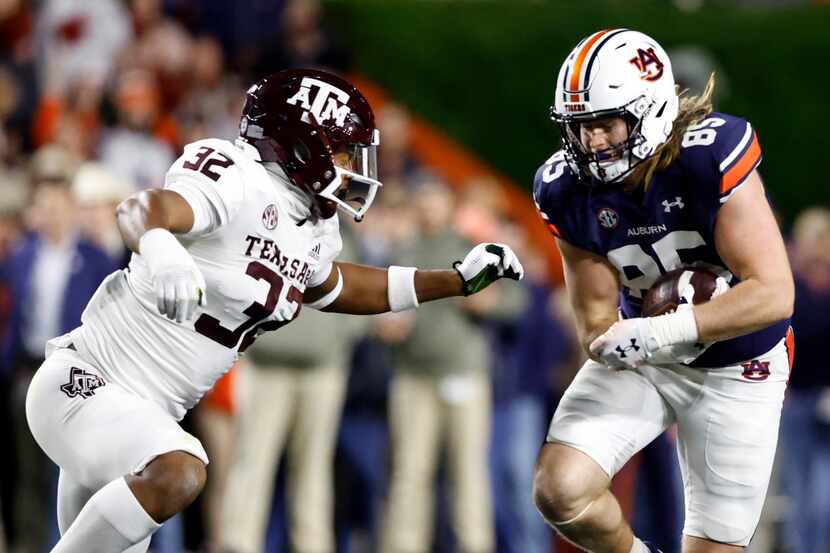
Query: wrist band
x,y
159,248
679,327
401,288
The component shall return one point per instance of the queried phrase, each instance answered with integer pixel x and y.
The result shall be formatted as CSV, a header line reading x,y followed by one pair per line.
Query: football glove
x,y
485,264
660,340
178,282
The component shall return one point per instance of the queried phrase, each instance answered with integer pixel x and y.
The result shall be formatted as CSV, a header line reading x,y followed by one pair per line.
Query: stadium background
x,y
476,79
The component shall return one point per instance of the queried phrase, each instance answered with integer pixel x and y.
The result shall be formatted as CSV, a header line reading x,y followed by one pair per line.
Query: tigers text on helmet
x,y
615,73
300,118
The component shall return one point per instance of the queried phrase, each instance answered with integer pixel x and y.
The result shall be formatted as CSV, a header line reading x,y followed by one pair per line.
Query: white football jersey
x,y
258,257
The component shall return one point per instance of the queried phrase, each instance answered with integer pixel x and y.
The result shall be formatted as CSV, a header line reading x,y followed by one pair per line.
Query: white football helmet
x,y
615,73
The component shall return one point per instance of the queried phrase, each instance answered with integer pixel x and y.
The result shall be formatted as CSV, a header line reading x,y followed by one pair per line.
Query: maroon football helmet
x,y
299,118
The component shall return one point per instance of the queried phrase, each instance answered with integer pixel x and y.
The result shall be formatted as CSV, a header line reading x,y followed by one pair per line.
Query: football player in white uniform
x,y
240,238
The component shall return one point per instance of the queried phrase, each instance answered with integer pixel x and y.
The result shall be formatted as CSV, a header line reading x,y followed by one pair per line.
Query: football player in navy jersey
x,y
648,181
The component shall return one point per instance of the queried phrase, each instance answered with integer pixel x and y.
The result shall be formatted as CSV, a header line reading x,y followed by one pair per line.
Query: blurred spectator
x,y
163,47
97,193
130,150
528,344
214,100
296,383
658,502
396,164
51,276
439,401
363,435
805,422
17,104
78,42
12,203
216,419
302,42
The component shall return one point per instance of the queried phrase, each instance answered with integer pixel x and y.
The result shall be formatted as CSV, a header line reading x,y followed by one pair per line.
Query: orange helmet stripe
x,y
740,170
580,59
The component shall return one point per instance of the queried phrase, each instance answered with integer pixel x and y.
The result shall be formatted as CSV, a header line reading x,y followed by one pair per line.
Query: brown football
x,y
664,294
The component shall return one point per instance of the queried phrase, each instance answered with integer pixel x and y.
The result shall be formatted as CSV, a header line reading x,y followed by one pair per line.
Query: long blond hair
x,y
692,109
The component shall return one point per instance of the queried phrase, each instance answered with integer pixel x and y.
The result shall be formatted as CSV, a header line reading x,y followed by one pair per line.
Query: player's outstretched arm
x,y
362,290
146,221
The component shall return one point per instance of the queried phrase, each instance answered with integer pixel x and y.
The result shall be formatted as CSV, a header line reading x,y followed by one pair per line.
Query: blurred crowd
x,y
397,433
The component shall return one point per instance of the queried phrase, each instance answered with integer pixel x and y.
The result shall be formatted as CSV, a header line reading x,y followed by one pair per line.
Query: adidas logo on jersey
x,y
315,252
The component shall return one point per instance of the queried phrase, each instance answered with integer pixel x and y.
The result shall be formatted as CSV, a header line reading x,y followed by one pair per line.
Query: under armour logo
x,y
325,104
315,252
82,383
678,203
622,350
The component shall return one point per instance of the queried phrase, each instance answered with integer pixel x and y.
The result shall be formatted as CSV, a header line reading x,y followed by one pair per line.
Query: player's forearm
x,y
588,332
749,306
437,284
366,289
138,214
149,209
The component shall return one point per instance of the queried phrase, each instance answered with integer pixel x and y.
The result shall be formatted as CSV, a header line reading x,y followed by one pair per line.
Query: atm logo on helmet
x,y
329,101
650,66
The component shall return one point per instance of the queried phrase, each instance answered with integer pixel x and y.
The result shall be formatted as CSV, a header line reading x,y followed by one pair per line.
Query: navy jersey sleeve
x,y
723,151
555,193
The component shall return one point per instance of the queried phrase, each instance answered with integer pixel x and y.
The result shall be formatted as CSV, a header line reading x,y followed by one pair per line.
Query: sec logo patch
x,y
269,217
608,218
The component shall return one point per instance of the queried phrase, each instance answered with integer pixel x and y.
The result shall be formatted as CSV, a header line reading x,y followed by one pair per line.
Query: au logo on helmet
x,y
325,104
644,60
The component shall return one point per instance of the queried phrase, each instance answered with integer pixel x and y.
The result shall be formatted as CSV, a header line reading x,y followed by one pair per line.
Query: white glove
x,y
660,340
485,264
178,283
624,345
686,352
656,340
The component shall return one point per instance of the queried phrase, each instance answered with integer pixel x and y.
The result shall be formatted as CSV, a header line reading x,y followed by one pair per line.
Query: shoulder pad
x,y
554,180
214,168
723,150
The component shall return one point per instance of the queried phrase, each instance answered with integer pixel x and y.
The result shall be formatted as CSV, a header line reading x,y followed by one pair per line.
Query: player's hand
x,y
653,340
485,264
178,282
624,345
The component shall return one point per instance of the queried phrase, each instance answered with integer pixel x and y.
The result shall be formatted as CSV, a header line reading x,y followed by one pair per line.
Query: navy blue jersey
x,y
671,224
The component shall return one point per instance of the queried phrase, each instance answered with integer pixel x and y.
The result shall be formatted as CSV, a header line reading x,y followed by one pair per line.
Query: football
x,y
664,294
